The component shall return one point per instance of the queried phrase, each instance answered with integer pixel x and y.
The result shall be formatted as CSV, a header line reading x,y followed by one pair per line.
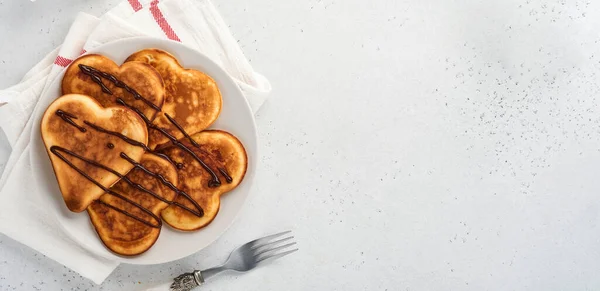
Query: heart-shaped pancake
x,y
98,76
86,141
126,235
192,99
226,157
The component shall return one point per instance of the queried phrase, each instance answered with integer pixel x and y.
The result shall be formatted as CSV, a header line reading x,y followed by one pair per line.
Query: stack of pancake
x,y
129,144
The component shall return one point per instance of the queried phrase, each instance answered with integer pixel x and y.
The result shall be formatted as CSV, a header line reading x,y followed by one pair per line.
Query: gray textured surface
x,y
411,145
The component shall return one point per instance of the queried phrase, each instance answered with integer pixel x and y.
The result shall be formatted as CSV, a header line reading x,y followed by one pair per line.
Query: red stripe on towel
x,y
162,22
62,61
135,4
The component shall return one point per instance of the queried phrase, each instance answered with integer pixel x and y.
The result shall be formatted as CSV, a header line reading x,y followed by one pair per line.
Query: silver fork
x,y
242,259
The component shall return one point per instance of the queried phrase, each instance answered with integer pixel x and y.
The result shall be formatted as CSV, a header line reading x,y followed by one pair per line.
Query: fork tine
x,y
274,249
265,239
276,256
256,248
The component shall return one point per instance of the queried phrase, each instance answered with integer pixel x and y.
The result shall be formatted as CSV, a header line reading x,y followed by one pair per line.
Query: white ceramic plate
x,y
236,118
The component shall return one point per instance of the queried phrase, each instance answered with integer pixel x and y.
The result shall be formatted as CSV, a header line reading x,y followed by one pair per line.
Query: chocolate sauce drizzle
x,y
96,77
161,178
214,182
172,120
226,175
131,142
198,212
194,143
165,182
223,172
110,145
68,117
57,151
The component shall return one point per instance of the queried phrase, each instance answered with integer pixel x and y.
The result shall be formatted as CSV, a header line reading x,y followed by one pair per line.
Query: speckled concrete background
x,y
410,145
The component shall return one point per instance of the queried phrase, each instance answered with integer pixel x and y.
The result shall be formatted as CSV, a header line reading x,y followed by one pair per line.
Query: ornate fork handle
x,y
187,281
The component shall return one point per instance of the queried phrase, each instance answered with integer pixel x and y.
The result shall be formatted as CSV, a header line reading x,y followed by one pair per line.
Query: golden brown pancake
x,y
219,150
141,77
61,130
192,98
125,235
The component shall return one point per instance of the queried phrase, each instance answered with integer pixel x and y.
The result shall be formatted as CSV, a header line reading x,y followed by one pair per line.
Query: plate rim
x,y
152,42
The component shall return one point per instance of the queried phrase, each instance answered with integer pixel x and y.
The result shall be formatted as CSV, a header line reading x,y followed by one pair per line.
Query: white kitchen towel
x,y
195,23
